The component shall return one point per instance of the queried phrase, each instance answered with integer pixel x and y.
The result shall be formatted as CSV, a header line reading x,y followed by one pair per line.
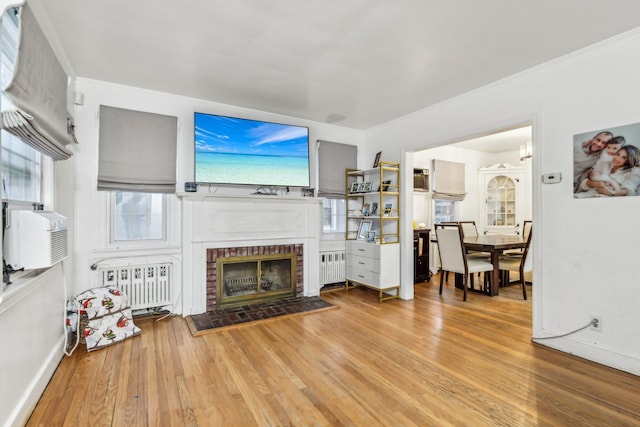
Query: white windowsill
x,y
20,287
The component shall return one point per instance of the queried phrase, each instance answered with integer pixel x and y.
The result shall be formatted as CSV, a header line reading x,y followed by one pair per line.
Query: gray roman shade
x,y
38,91
449,180
137,151
333,160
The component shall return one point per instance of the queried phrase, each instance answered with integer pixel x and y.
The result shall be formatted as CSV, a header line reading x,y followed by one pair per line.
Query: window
x,y
445,211
21,170
21,164
333,160
334,216
137,216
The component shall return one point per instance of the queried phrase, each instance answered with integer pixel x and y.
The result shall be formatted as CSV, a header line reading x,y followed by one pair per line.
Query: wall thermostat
x,y
551,178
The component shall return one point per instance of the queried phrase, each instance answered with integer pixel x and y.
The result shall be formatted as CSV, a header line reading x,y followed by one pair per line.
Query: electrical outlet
x,y
596,323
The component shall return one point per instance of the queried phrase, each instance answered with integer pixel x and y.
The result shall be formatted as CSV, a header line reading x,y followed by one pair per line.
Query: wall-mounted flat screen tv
x,y
231,150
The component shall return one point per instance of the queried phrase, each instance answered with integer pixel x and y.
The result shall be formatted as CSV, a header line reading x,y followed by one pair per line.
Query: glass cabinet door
x,y
501,201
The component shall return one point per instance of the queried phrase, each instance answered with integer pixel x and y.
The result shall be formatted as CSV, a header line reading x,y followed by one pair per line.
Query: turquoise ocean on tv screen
x,y
252,169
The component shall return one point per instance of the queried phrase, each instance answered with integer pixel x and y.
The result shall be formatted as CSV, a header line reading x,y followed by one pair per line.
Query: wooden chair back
x,y
450,248
469,228
526,229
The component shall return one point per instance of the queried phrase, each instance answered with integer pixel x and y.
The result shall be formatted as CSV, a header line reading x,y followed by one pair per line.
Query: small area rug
x,y
248,314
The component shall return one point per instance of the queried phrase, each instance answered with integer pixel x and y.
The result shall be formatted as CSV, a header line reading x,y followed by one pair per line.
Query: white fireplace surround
x,y
220,221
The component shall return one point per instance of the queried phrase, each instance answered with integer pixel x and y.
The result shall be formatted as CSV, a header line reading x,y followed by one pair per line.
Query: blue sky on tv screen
x,y
229,135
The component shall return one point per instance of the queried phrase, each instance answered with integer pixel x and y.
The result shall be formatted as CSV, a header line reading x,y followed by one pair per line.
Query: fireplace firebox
x,y
249,279
251,274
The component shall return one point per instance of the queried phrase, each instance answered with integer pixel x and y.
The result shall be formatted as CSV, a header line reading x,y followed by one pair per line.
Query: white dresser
x,y
376,266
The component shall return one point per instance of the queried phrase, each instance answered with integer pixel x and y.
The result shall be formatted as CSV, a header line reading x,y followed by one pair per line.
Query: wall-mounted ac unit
x,y
35,239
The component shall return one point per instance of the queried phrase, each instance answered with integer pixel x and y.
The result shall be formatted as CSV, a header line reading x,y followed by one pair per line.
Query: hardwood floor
x,y
428,362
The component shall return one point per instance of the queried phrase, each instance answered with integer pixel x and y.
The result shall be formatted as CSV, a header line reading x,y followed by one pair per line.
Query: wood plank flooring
x,y
433,361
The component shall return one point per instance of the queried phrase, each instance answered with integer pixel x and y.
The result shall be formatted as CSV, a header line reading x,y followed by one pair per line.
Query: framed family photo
x,y
606,162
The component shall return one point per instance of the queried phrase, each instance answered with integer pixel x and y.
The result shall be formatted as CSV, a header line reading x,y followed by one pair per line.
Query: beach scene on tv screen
x,y
230,150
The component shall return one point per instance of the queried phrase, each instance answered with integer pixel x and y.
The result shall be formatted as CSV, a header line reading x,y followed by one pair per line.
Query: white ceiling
x,y
500,142
355,63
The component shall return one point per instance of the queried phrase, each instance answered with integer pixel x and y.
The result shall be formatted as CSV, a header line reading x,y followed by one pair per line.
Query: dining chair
x,y
469,228
522,264
453,257
526,230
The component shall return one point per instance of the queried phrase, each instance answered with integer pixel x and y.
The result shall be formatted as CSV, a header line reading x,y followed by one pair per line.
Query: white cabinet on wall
x,y
502,199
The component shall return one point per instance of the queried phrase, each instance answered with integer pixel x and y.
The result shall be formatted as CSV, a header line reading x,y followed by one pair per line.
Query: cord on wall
x,y
593,322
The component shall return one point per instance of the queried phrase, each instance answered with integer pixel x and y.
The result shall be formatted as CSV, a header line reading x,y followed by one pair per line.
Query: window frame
x,y
336,218
454,208
132,243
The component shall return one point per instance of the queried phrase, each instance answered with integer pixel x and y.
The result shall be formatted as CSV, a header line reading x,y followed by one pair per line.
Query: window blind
x,y
38,92
137,151
333,160
449,180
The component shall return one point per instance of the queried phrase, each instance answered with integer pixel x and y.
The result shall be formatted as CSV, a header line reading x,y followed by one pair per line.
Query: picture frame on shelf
x,y
374,208
371,237
376,162
385,185
363,229
361,186
354,187
387,209
367,187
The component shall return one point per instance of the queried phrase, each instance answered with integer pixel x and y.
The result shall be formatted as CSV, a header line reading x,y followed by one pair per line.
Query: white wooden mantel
x,y
210,220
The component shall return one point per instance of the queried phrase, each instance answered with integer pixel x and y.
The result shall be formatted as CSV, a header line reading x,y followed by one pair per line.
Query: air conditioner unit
x,y
35,239
421,180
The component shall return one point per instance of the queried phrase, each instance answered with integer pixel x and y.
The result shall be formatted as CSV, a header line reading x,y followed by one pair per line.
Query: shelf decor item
x,y
376,162
354,187
385,185
365,226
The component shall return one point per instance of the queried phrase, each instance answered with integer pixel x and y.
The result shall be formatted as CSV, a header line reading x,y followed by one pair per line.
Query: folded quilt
x,y
111,328
105,317
98,302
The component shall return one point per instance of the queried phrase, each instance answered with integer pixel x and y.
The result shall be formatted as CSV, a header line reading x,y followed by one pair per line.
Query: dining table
x,y
494,244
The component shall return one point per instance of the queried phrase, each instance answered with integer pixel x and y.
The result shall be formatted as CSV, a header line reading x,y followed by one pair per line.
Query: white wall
x,y
32,319
91,211
586,250
32,316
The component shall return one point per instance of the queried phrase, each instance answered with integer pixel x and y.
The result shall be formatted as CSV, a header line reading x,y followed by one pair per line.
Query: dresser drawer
x,y
364,263
364,276
359,248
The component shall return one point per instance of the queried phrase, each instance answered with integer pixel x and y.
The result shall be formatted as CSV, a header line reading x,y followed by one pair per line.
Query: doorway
x,y
509,147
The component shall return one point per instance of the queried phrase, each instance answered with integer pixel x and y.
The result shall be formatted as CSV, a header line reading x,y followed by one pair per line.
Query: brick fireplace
x,y
217,224
214,255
